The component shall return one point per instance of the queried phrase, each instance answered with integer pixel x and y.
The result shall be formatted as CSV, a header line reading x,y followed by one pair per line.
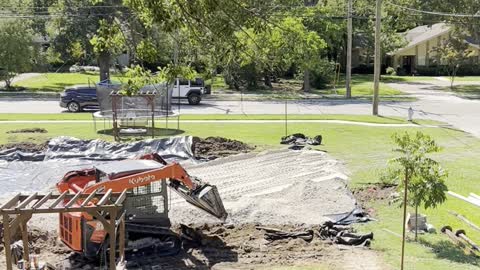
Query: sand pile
x,y
275,187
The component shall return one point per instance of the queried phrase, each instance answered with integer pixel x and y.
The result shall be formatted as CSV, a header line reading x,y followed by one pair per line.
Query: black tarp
x,y
30,172
175,148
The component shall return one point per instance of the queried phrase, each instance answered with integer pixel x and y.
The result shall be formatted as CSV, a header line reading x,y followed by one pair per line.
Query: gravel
x,y
274,187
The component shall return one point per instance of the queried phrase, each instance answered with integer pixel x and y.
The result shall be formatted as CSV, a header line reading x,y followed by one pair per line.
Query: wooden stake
x,y
405,194
348,92
378,56
7,241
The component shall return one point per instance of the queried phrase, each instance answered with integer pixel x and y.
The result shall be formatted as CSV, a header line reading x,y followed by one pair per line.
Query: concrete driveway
x,y
442,105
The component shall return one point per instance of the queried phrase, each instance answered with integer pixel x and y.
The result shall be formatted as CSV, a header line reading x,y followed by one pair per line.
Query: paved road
x,y
230,107
431,104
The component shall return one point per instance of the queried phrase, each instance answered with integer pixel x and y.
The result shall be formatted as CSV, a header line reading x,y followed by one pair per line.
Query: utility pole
x,y
175,63
378,56
348,79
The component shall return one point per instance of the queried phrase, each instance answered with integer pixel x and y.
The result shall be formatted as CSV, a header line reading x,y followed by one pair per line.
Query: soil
x,y
25,147
212,148
222,247
365,196
29,130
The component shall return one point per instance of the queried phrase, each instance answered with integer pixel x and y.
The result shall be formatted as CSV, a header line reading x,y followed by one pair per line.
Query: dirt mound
x,y
212,148
371,193
28,130
24,147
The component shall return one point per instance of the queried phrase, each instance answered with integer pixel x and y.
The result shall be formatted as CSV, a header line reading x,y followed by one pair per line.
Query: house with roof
x,y
418,54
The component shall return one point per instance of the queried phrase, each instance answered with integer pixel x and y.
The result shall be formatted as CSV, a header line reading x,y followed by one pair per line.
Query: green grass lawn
x,y
56,82
390,78
466,78
362,86
365,151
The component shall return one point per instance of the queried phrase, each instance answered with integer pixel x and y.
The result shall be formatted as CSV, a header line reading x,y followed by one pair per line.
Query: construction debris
x,y
338,234
299,140
343,235
462,235
357,215
472,198
419,224
466,245
272,234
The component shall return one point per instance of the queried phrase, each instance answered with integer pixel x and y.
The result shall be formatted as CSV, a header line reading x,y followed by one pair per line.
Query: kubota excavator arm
x,y
193,190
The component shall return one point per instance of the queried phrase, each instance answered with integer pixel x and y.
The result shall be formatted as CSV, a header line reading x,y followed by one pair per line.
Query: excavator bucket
x,y
205,197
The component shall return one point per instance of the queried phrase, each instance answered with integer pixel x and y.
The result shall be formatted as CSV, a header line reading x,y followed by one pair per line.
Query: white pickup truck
x,y
192,90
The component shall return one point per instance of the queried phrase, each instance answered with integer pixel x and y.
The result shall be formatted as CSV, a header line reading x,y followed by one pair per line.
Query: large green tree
x,y
16,49
212,31
99,28
274,50
468,24
453,53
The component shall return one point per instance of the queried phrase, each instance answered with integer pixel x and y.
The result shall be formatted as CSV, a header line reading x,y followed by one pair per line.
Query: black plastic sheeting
x,y
31,172
357,215
175,148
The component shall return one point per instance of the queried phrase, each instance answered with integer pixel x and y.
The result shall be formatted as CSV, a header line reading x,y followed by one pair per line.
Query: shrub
x,y
322,73
391,71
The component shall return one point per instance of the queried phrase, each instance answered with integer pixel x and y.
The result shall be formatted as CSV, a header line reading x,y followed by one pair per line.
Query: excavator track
x,y
150,239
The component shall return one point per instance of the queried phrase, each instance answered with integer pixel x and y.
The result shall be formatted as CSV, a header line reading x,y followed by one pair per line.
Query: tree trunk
x,y
104,64
268,80
452,77
416,221
8,83
306,81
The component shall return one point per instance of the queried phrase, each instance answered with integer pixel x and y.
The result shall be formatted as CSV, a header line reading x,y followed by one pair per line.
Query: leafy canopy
x,y
426,178
16,48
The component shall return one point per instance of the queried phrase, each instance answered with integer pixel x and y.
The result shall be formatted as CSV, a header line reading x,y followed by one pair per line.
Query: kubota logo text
x,y
141,179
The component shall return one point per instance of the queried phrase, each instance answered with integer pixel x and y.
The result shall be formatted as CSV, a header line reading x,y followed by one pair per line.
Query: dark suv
x,y
78,97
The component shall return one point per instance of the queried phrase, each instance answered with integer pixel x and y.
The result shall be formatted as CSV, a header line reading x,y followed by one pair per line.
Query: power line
x,y
435,13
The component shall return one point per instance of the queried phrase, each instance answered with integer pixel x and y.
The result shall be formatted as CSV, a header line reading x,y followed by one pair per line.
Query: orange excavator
x,y
146,205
